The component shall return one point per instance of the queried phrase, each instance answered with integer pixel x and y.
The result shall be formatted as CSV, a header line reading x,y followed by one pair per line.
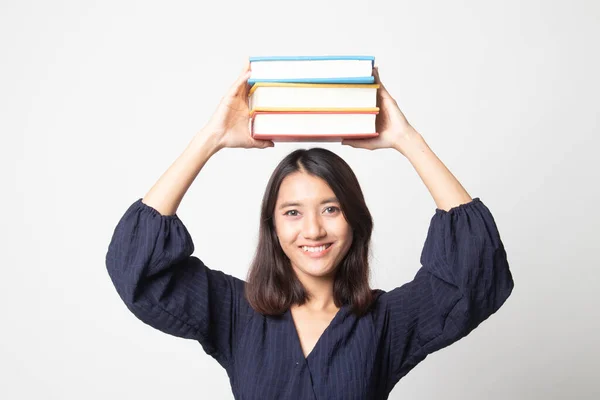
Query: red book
x,y
322,125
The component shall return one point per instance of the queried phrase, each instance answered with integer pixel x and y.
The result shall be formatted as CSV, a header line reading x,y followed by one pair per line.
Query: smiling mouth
x,y
322,247
316,251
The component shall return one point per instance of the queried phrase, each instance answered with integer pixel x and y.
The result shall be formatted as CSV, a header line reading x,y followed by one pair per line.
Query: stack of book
x,y
312,98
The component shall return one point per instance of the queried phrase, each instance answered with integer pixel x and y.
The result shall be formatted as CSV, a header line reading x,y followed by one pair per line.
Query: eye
x,y
291,211
335,209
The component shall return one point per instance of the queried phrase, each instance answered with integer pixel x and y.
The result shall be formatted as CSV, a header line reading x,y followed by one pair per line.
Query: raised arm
x,y
228,127
446,190
149,258
167,193
395,132
464,277
150,264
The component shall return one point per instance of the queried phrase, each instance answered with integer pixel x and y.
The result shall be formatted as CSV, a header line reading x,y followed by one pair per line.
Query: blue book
x,y
313,69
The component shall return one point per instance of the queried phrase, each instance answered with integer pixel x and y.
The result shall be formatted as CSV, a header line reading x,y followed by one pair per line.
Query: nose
x,y
313,228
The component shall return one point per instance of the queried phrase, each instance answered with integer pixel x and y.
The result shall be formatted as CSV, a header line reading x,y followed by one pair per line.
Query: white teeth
x,y
315,249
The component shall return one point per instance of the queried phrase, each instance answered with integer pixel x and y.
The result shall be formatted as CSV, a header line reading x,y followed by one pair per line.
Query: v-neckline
x,y
319,340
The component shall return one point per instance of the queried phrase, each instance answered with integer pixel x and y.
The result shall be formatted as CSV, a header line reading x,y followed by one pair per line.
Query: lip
x,y
316,255
316,244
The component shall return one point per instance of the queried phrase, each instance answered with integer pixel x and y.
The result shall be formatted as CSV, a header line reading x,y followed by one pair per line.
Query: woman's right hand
x,y
230,122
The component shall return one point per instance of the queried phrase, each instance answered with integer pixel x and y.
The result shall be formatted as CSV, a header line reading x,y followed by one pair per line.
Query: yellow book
x,y
313,110
312,96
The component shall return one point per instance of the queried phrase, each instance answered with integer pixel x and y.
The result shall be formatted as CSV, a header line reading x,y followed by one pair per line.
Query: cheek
x,y
347,244
286,234
348,240
344,231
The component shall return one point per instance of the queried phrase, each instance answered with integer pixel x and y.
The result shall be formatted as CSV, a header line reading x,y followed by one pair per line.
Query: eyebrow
x,y
295,203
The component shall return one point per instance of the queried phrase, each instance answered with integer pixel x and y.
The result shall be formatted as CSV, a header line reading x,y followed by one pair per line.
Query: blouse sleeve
x,y
149,261
463,280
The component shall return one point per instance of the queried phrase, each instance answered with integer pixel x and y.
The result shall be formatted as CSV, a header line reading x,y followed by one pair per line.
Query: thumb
x,y
263,144
353,143
240,84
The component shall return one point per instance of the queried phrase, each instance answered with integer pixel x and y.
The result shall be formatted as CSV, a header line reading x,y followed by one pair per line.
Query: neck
x,y
320,292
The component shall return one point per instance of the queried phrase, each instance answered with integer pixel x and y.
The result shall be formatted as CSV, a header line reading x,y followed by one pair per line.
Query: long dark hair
x,y
272,286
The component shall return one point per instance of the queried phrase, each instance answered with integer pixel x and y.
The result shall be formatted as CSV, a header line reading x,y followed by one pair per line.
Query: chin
x,y
315,271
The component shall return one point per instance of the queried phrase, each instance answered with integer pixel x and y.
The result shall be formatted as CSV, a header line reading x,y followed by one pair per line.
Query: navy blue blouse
x,y
464,279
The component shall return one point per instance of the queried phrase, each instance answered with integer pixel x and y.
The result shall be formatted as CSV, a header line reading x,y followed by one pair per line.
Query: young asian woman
x,y
305,324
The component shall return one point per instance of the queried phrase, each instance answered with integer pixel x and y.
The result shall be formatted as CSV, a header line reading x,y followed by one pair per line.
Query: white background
x,y
97,99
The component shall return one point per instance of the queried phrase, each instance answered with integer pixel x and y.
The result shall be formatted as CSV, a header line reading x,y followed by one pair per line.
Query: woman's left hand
x,y
391,124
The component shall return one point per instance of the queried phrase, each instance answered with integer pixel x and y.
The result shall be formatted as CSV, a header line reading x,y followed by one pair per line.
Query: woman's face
x,y
308,214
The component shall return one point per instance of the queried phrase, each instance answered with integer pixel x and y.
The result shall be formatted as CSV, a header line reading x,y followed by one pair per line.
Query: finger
x,y
242,79
263,144
382,90
245,70
246,66
353,143
239,86
377,76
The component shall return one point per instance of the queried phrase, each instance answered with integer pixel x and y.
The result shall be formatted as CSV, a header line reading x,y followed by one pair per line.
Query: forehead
x,y
302,186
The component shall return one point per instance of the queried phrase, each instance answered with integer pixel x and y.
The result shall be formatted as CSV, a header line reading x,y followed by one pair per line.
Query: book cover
x,y
311,58
350,79
314,124
291,69
370,110
309,85
277,95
